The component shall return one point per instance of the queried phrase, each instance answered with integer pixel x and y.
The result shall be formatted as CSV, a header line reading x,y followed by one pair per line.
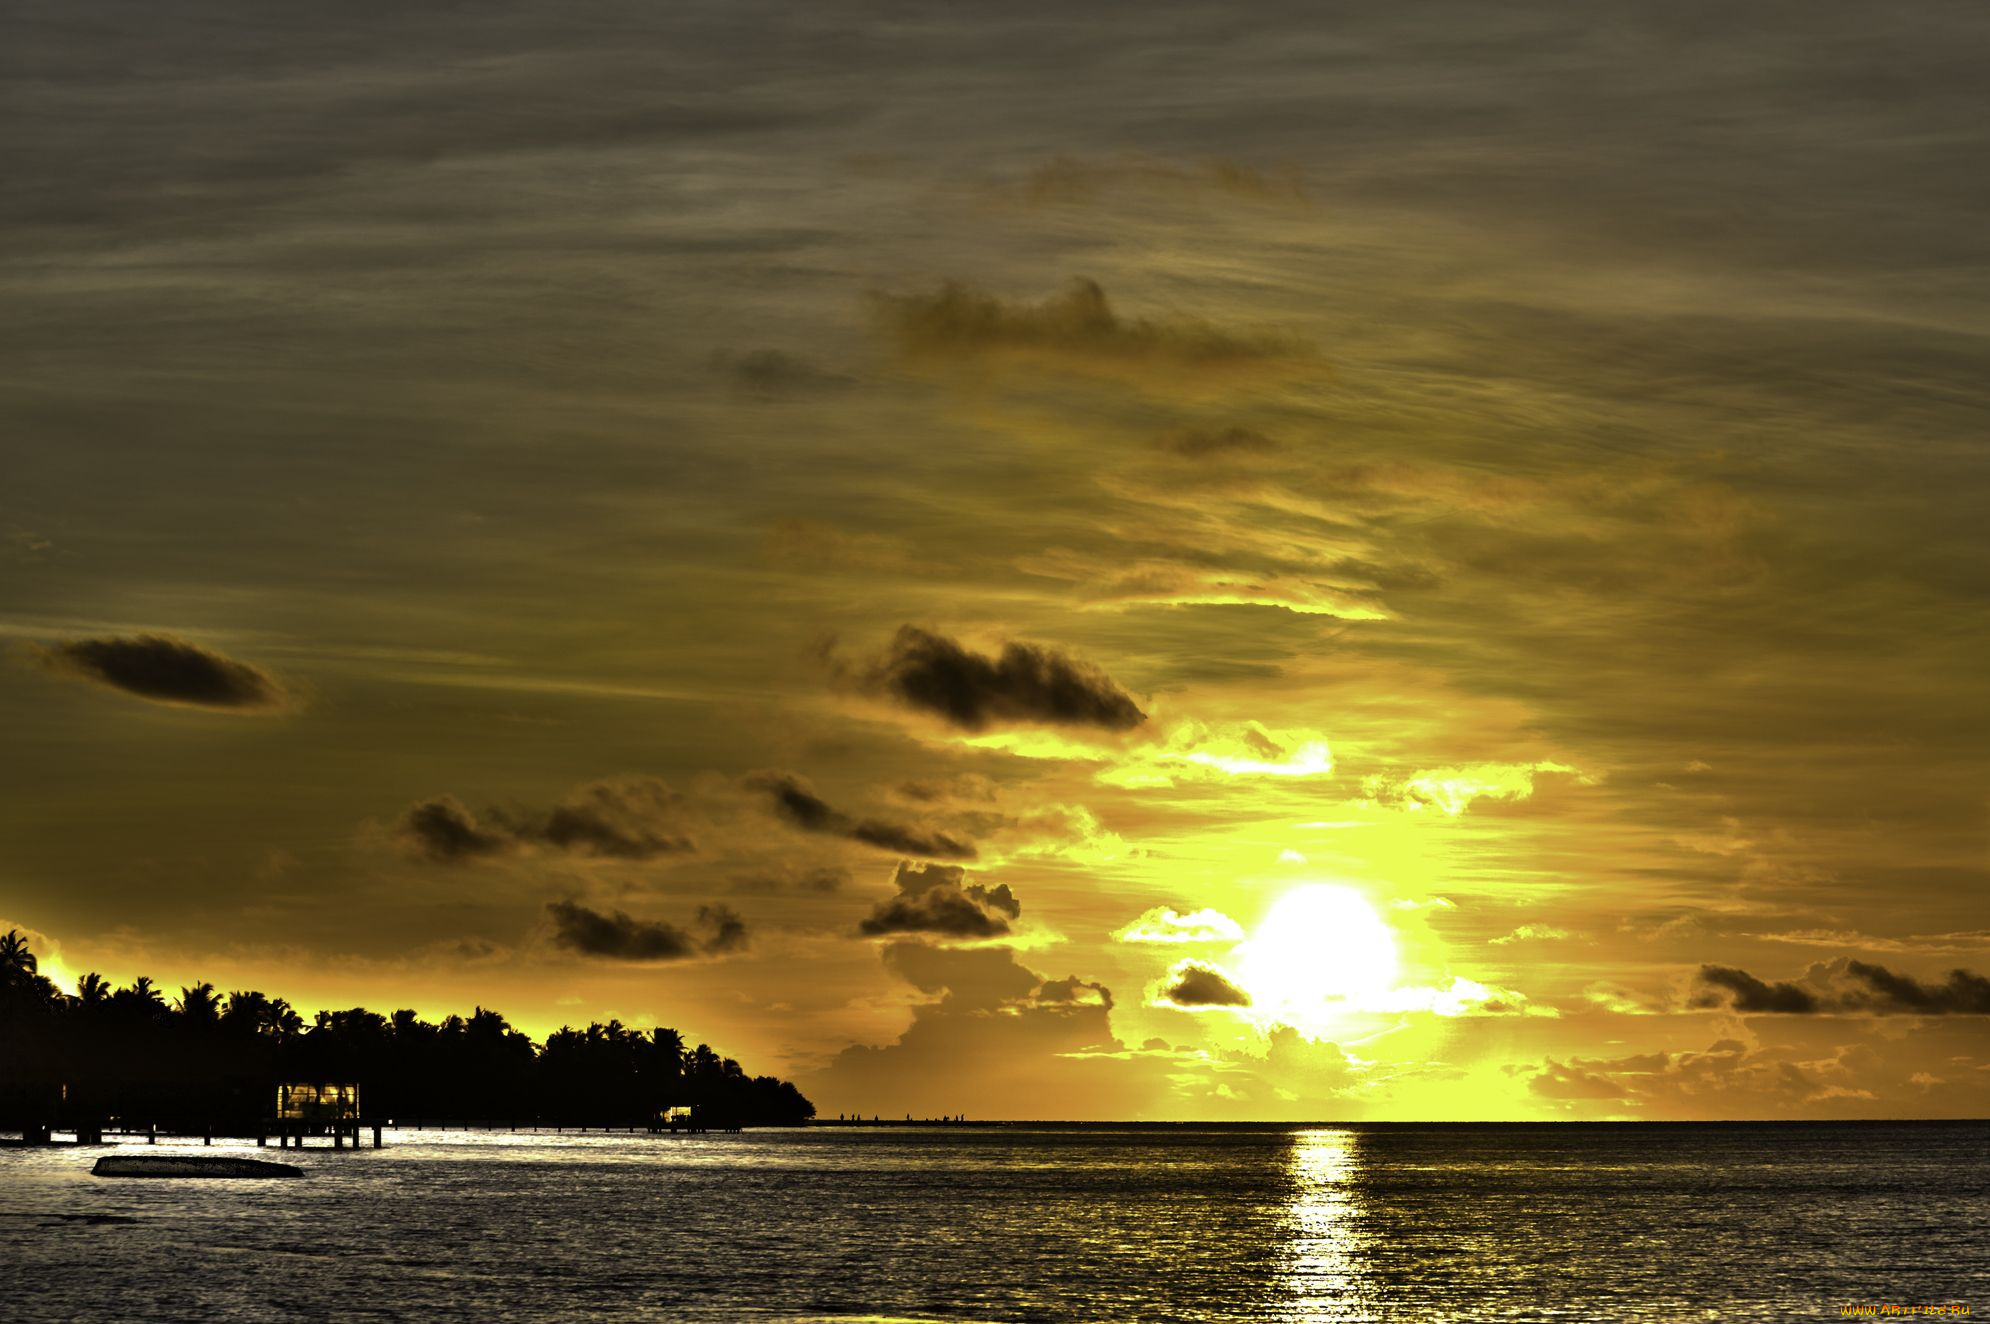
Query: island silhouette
x,y
206,1062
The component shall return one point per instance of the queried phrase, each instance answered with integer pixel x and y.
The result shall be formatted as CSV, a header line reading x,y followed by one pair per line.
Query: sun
x,y
1318,945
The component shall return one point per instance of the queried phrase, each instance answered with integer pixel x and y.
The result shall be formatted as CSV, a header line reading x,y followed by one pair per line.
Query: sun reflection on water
x,y
1326,1275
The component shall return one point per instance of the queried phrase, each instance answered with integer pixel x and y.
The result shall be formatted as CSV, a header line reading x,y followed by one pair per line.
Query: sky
x,y
1297,561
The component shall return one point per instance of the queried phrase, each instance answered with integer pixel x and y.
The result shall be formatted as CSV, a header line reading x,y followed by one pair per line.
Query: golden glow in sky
x,y
1215,565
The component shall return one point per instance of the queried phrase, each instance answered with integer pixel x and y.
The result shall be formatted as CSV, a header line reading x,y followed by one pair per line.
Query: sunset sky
x,y
893,538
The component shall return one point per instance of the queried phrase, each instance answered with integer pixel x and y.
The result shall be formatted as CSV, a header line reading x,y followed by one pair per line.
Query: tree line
x,y
133,1056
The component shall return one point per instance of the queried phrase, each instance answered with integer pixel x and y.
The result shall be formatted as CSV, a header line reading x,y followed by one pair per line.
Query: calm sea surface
x,y
1397,1222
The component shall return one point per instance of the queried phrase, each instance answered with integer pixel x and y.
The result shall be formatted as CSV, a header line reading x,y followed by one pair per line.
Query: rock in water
x,y
189,1165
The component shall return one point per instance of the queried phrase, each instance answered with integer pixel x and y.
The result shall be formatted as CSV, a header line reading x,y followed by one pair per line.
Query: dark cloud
x,y
632,818
1964,993
792,800
1215,443
620,937
725,930
910,841
1848,986
1747,993
629,819
1077,329
166,669
773,373
1072,991
443,831
936,898
1193,984
1027,684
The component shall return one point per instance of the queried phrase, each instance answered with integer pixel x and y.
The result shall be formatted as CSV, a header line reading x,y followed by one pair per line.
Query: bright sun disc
x,y
1316,944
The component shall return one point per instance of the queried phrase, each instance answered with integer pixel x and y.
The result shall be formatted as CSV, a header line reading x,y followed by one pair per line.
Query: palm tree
x,y
93,990
199,1005
282,1018
245,1010
668,1045
141,993
137,1003
20,980
17,962
703,1062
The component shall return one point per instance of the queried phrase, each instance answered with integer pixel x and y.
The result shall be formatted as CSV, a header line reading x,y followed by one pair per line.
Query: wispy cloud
x,y
1079,331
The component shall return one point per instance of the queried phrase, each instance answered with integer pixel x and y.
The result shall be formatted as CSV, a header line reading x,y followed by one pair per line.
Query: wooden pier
x,y
346,1132
291,1132
287,1132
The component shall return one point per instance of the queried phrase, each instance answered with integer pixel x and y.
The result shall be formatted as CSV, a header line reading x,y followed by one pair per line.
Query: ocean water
x,y
1552,1222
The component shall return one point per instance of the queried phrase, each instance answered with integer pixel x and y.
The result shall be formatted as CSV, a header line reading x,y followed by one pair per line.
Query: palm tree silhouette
x,y
139,1001
703,1062
127,1052
199,1005
282,1019
245,1010
17,961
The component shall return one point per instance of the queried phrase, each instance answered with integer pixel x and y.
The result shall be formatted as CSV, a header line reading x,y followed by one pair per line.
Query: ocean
x,y
1094,1223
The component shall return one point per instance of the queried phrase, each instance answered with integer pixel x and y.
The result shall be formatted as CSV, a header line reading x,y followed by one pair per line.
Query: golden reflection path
x,y
1328,1272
